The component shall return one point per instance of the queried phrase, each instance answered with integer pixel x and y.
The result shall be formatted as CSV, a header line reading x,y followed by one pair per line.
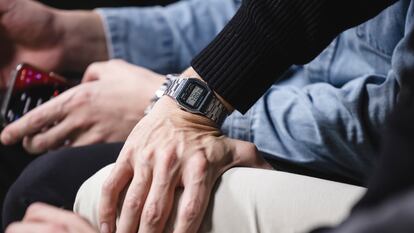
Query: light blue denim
x,y
325,116
164,39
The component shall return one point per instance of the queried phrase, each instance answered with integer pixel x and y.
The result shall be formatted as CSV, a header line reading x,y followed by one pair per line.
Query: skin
x,y
42,218
170,149
69,41
104,108
48,38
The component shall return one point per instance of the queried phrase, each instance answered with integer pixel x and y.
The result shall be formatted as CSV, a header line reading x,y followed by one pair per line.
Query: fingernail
x,y
105,228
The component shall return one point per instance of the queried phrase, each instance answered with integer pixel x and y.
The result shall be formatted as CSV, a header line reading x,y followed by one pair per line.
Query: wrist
x,y
168,107
83,39
190,72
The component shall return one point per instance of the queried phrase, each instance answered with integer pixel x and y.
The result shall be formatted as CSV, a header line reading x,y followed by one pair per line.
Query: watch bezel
x,y
186,92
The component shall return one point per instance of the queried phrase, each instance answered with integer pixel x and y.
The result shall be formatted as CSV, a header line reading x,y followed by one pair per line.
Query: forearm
x,y
285,32
83,39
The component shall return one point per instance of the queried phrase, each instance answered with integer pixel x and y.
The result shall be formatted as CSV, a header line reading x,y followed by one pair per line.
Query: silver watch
x,y
160,92
193,95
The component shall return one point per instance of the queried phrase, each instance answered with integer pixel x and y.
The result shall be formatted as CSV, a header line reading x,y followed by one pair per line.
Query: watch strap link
x,y
160,92
216,111
173,89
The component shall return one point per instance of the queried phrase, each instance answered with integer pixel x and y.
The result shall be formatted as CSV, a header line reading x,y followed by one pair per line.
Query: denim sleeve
x,y
328,129
165,39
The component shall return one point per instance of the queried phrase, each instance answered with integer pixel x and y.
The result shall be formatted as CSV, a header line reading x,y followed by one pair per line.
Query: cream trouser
x,y
253,200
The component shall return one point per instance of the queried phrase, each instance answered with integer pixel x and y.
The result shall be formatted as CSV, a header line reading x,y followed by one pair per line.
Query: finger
x,y
89,138
113,186
33,122
35,227
40,212
50,139
135,199
160,199
195,198
93,72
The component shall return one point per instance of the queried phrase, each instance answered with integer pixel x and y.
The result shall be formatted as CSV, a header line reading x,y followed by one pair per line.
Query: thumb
x,y
246,154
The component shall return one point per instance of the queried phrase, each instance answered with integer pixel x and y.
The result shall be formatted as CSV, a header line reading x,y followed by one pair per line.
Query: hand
x,y
41,218
104,108
47,38
167,150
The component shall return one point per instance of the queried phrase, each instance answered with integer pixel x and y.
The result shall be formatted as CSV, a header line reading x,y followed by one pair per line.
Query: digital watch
x,y
193,95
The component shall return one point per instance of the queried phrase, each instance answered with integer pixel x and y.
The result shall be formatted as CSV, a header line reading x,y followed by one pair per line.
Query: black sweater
x,y
266,37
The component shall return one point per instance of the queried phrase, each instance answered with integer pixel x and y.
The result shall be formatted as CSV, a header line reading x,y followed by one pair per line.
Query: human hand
x,y
104,108
169,149
47,38
41,218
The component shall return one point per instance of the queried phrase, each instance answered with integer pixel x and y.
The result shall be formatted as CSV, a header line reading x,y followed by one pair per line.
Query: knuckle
x,y
169,160
147,156
34,208
151,215
133,202
128,151
109,186
200,164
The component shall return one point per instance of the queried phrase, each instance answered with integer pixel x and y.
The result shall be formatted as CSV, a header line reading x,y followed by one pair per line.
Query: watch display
x,y
193,95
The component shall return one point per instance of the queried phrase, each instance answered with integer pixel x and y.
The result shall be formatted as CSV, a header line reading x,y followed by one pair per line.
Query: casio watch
x,y
193,95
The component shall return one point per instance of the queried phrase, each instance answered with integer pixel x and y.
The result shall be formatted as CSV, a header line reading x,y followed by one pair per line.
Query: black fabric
x,y
266,37
91,4
55,178
12,162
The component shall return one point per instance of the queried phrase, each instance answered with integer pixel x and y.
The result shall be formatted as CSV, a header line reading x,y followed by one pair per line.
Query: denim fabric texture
x,y
325,116
164,39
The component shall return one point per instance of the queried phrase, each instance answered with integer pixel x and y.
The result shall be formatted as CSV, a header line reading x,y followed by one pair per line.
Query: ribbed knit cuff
x,y
265,37
234,63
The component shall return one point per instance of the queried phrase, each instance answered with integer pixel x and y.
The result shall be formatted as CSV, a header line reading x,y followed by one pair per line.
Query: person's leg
x,y
55,178
12,162
253,200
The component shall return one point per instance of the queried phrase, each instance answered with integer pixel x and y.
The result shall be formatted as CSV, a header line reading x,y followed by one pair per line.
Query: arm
x,y
165,39
324,128
184,150
285,32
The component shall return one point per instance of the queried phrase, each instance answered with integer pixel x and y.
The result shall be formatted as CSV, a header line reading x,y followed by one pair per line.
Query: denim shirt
x,y
164,39
325,116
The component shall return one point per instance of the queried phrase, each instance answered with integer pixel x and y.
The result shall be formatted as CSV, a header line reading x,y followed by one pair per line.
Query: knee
x,y
88,196
32,185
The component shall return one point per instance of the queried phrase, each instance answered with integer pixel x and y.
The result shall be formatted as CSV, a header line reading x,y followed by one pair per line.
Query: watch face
x,y
193,95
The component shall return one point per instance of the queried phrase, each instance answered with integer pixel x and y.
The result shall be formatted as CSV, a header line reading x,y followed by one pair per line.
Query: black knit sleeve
x,y
266,37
